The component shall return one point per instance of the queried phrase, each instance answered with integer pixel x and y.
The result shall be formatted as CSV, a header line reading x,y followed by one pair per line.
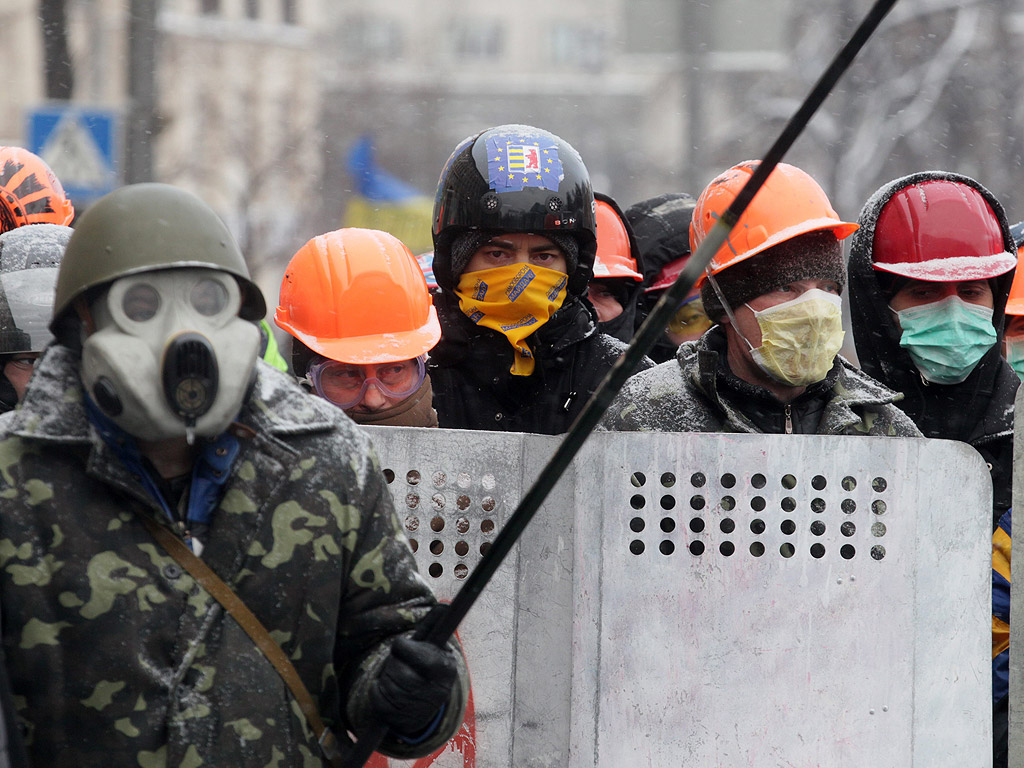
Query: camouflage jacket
x,y
117,657
687,395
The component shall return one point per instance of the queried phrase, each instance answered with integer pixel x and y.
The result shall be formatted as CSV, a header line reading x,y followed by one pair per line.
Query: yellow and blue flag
x,y
385,202
515,162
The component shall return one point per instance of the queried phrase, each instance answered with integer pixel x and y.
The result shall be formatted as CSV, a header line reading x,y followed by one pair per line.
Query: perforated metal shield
x,y
715,599
453,491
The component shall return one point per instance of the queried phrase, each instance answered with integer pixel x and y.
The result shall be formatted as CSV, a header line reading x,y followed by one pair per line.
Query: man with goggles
x,y
356,304
364,389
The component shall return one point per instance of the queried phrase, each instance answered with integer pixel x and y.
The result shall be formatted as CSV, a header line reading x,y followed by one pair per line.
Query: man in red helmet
x,y
930,272
771,364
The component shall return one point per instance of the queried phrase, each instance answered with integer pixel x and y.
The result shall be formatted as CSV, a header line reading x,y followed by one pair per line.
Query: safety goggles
x,y
689,317
345,384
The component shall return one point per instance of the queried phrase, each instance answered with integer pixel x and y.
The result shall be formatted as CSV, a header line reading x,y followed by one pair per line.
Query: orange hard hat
x,y
614,256
29,191
789,204
358,296
1015,303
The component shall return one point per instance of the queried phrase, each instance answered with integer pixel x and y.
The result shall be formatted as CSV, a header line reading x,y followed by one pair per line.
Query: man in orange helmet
x,y
771,364
1013,333
616,287
356,304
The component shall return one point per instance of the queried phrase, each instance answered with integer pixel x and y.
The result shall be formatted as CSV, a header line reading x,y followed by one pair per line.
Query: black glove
x,y
414,683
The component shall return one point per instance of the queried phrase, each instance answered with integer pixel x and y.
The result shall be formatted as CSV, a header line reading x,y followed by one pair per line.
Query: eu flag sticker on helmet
x,y
515,162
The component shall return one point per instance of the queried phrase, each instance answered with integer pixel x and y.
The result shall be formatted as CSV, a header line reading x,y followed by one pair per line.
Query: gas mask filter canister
x,y
170,357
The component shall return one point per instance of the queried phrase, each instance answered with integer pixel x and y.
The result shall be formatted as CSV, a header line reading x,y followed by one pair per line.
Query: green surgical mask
x,y
1015,354
946,339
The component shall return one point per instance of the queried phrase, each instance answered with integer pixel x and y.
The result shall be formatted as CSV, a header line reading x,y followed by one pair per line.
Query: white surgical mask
x,y
800,338
170,357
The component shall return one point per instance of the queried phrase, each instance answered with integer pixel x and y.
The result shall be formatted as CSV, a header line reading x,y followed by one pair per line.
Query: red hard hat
x,y
939,231
668,274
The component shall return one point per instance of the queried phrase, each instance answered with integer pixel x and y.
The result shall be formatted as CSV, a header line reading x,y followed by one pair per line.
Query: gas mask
x,y
170,357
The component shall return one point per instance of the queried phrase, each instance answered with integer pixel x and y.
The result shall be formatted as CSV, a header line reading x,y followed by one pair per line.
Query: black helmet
x,y
662,228
515,178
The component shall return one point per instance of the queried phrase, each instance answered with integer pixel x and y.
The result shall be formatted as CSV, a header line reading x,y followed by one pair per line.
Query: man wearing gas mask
x,y
150,435
771,364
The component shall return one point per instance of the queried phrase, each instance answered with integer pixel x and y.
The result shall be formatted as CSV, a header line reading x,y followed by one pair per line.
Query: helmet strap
x,y
85,315
727,307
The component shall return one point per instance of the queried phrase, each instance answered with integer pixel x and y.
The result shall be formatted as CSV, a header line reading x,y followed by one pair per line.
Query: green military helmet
x,y
148,227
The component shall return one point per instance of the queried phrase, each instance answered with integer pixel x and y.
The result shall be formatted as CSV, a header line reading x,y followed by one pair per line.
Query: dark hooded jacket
x,y
978,411
661,226
470,366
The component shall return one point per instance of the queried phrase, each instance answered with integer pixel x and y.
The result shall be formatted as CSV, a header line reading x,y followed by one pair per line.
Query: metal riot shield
x,y
713,599
453,491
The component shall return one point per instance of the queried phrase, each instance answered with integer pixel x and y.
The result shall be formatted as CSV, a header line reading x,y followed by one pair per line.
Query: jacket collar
x,y
845,387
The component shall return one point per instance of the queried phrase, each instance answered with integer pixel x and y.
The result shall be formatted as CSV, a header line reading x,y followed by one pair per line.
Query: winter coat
x,y
978,411
117,657
697,392
473,388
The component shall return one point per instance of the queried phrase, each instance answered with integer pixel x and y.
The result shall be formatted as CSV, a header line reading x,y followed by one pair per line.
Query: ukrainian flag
x,y
383,201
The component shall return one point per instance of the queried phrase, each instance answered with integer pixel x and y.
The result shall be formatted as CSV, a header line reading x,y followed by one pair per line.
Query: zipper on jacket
x,y
789,419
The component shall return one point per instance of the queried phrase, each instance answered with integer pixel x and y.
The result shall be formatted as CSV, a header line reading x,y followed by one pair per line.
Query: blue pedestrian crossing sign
x,y
80,143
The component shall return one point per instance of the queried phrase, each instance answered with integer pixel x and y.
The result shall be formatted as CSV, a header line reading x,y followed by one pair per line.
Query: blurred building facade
x,y
259,101
616,78
237,102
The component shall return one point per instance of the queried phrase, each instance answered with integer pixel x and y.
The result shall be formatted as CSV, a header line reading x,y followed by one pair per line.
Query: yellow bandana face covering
x,y
514,300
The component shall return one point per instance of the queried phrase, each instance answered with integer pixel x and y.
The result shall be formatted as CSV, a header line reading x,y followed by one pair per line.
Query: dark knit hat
x,y
466,244
812,256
